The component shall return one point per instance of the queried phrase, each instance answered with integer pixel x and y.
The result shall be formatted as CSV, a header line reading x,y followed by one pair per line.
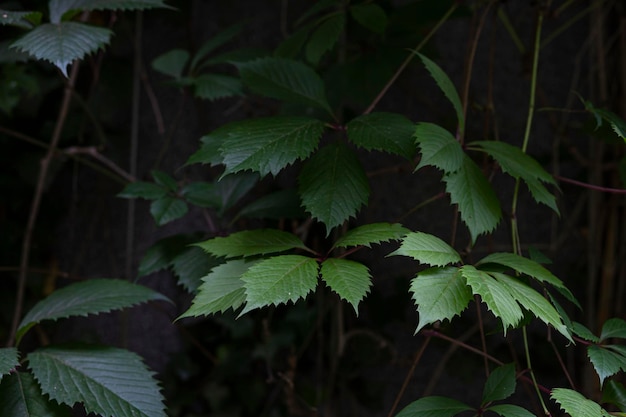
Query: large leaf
x,y
434,407
88,297
510,410
388,132
574,404
252,242
9,361
500,384
63,43
324,37
371,16
333,185
286,80
440,293
369,234
269,144
108,381
606,362
278,280
613,328
167,209
349,279
215,86
438,147
427,249
478,204
20,396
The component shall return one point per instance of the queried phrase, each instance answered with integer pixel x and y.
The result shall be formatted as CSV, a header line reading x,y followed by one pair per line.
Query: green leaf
x,y
108,381
370,16
167,209
9,361
446,87
523,266
270,144
541,194
220,290
605,361
584,333
614,393
63,43
201,194
251,243
140,189
388,132
617,123
171,63
434,407
59,7
216,86
613,328
500,384
324,38
349,279
164,180
495,295
278,280
284,204
333,185
20,396
440,293
160,255
286,80
290,47
190,266
427,249
370,234
209,152
231,188
509,410
88,297
438,148
574,404
215,42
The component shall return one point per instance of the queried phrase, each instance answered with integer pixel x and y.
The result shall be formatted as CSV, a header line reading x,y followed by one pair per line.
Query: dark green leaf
x,y
434,407
231,188
167,209
9,361
324,38
237,56
209,152
615,393
500,385
369,234
606,362
201,194
509,410
370,16
316,8
438,148
613,328
574,404
20,396
427,249
140,189
291,46
171,63
190,266
284,204
160,255
583,332
215,42
349,279
388,132
164,180
216,86
251,243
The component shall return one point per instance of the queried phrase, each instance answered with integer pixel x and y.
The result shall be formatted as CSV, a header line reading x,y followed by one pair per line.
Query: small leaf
x,y
523,266
171,63
164,180
278,205
585,333
440,294
278,280
160,255
613,328
614,393
500,385
88,297
167,209
216,86
9,361
605,361
63,43
387,132
427,249
370,16
215,42
509,410
201,194
20,396
370,234
140,189
333,185
434,407
190,266
106,380
438,148
574,404
231,188
349,279
252,242
324,38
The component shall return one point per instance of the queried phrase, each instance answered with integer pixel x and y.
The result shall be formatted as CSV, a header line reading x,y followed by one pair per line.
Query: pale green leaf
x,y
171,63
167,209
9,360
216,86
509,410
614,393
108,381
269,144
614,327
500,384
606,362
576,405
478,204
140,189
438,148
251,243
495,295
427,249
388,132
190,266
434,407
370,234
349,279
279,280
215,42
440,293
88,297
220,290
523,266
370,16
324,37
63,43
20,396
446,86
286,80
583,332
333,185
284,204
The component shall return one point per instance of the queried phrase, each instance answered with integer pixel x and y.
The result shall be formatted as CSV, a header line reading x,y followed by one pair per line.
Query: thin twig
x,y
591,186
94,153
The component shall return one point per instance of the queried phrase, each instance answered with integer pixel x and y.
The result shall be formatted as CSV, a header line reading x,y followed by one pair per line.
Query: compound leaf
x,y
388,132
500,384
216,86
605,361
509,410
613,328
438,148
106,380
434,407
20,396
167,209
252,242
324,38
370,16
427,249
349,279
574,404
370,234
9,361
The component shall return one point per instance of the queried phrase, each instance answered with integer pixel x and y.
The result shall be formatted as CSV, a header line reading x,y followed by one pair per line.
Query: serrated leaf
x,y
495,295
216,86
333,185
279,280
106,380
278,205
201,194
251,243
9,361
614,327
541,194
167,209
509,410
190,266
59,7
605,361
574,404
500,385
446,86
324,37
209,152
438,148
523,266
349,279
370,16
20,19
63,43
427,249
388,132
440,294
370,234
215,42
171,63
220,290
146,190
165,180
269,144
478,204
20,396
434,407
583,332
614,393
94,296
286,80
